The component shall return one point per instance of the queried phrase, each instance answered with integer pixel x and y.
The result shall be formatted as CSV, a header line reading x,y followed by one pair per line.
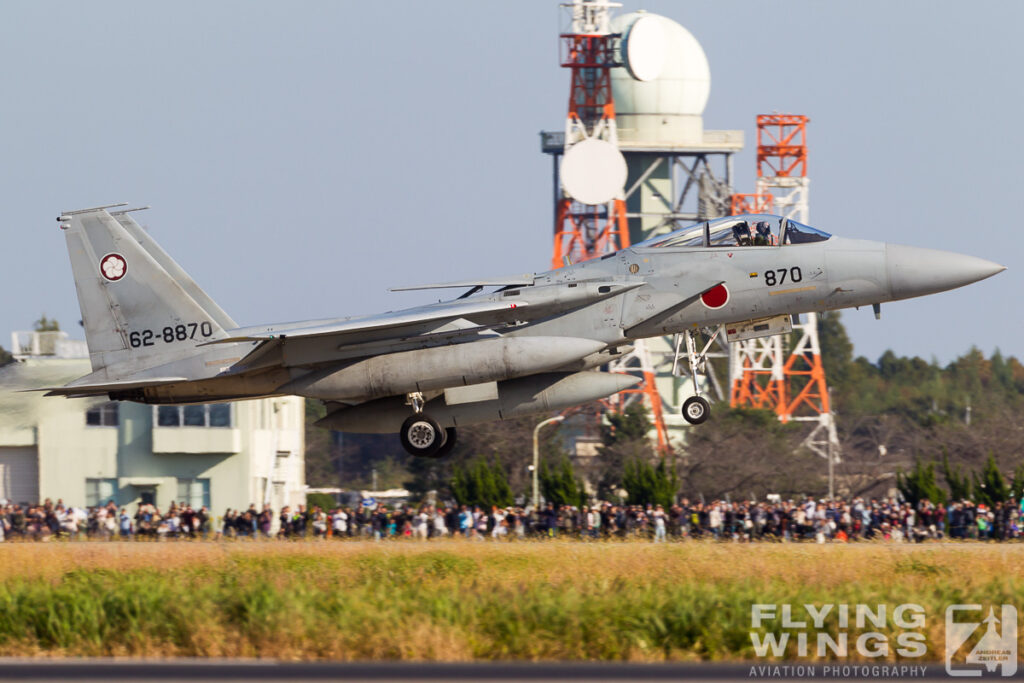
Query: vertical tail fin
x,y
139,308
172,268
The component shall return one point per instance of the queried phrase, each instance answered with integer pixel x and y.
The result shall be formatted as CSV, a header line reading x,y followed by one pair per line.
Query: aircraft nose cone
x,y
915,271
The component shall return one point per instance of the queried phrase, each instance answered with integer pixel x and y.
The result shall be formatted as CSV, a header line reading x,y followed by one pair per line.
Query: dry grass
x,y
456,601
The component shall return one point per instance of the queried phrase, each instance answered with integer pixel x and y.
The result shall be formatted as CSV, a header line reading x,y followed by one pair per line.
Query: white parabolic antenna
x,y
645,48
593,171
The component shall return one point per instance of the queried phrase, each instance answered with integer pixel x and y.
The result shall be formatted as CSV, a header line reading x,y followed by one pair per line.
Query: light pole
x,y
831,473
831,453
536,455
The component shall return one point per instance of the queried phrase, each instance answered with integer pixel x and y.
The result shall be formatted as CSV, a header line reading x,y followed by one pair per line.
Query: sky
x,y
301,158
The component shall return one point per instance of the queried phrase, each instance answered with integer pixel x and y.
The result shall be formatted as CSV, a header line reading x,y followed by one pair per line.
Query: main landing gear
x,y
421,435
696,409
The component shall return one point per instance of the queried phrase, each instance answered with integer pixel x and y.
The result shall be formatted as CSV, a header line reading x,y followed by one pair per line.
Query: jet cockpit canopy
x,y
747,230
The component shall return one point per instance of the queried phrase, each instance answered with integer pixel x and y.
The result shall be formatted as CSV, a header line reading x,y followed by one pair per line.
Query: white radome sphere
x,y
661,91
594,171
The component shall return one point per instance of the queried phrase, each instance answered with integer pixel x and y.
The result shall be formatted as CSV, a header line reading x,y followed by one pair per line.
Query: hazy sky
x,y
301,157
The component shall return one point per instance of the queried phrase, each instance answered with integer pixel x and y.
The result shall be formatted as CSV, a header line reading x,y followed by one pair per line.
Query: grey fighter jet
x,y
506,347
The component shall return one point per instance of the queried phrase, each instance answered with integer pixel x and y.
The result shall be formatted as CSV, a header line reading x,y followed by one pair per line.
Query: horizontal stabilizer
x,y
107,387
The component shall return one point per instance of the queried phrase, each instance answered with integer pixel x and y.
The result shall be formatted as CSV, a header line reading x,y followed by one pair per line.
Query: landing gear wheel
x,y
696,410
447,445
421,435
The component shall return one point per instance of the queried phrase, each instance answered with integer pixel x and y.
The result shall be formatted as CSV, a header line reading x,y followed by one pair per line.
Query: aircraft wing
x,y
451,322
512,281
369,324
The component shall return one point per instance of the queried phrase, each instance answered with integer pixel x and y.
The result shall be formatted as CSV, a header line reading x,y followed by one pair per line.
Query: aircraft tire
x,y
447,445
696,410
421,436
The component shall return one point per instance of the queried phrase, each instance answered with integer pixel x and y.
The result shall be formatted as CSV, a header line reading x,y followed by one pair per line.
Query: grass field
x,y
458,601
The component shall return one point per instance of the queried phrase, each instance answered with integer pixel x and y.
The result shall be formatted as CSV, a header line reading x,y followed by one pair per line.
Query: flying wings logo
x,y
978,642
113,267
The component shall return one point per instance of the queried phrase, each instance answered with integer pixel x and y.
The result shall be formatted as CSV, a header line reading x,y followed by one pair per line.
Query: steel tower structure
x,y
678,173
763,372
590,172
589,222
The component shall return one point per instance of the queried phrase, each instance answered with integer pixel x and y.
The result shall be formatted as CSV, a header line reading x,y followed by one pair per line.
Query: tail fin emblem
x,y
113,267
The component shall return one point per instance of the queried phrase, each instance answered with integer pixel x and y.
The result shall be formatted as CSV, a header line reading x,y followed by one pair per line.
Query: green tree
x,y
559,484
920,484
646,483
5,357
990,486
45,324
958,481
1002,374
836,348
625,438
429,474
481,483
1017,484
632,424
325,501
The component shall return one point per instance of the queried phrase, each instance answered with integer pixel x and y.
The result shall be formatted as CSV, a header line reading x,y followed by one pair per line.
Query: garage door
x,y
19,475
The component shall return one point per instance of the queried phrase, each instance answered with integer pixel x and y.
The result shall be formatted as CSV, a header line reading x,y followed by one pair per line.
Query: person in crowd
x,y
339,523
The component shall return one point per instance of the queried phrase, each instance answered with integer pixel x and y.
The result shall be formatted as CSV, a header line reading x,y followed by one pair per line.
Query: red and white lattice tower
x,y
590,217
765,373
591,214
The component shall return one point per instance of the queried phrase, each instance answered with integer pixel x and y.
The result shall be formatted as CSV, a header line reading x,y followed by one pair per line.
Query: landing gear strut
x,y
696,409
421,435
416,400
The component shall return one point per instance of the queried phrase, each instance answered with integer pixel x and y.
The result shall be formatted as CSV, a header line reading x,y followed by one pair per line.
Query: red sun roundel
x,y
113,267
716,297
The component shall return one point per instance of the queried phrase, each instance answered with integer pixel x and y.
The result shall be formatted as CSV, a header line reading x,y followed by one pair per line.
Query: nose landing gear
x,y
696,409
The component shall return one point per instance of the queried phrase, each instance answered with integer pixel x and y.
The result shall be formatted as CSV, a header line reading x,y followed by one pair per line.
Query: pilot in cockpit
x,y
741,231
763,234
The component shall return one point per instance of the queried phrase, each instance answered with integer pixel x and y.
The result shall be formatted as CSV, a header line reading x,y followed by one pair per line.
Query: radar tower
x,y
590,215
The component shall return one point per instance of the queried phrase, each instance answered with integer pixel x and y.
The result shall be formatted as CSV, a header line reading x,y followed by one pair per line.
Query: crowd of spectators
x,y
809,520
107,522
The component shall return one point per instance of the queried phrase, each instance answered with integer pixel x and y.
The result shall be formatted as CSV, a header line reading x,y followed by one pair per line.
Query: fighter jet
x,y
505,347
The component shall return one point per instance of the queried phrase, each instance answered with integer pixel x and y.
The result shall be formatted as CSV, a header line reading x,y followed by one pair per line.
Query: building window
x,y
103,415
194,492
100,491
206,415
168,416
